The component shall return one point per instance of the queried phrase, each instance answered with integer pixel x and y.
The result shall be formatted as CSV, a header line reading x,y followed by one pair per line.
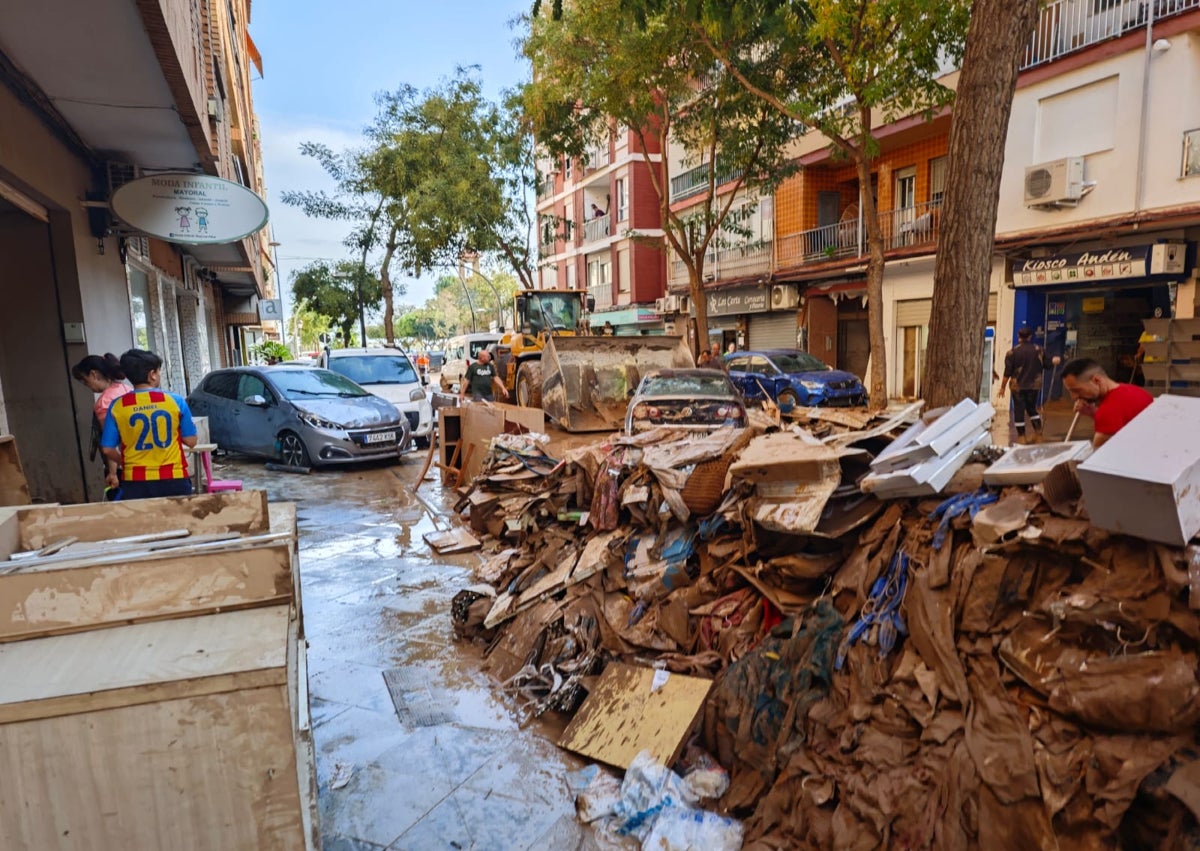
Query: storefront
x,y
629,321
758,317
1092,303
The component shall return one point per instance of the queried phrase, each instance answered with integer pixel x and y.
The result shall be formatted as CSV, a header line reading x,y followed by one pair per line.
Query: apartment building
x,y
598,222
92,96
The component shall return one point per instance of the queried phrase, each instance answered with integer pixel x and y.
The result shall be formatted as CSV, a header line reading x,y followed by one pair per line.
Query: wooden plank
x,y
150,551
623,715
141,654
239,511
204,773
75,704
302,737
14,489
74,599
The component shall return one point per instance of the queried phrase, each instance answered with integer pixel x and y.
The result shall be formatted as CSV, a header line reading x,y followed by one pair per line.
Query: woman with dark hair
x,y
102,375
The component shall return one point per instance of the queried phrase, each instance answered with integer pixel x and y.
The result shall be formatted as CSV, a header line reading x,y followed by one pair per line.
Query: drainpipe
x,y
1139,189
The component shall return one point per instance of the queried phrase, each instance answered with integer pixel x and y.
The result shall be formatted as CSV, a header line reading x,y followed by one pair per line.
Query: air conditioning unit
x,y
784,297
1054,184
119,174
685,304
1167,258
660,305
671,304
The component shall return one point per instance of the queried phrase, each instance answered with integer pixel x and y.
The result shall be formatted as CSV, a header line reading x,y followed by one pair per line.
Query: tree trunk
x,y
999,31
877,386
699,308
385,283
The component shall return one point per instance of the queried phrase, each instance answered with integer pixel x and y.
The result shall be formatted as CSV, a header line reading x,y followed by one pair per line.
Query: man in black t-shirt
x,y
1023,367
481,381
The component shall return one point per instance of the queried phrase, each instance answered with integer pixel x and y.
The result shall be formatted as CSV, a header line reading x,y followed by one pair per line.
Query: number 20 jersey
x,y
148,425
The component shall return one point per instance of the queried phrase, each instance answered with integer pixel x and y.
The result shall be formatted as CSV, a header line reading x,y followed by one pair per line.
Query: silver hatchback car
x,y
301,415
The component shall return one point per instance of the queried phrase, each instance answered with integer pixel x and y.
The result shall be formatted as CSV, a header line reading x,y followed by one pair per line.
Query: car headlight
x,y
317,422
417,395
812,386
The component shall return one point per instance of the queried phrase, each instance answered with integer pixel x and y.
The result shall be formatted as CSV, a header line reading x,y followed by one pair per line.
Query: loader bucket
x,y
587,381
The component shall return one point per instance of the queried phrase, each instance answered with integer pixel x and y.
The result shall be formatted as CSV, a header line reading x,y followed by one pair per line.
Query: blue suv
x,y
791,377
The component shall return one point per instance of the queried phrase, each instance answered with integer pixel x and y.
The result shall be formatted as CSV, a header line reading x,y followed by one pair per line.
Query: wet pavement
x,y
458,771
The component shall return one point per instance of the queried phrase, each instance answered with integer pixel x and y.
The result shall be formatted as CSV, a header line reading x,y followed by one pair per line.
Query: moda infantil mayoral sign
x,y
191,209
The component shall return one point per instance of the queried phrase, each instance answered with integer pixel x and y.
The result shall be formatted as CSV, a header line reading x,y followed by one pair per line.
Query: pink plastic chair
x,y
212,485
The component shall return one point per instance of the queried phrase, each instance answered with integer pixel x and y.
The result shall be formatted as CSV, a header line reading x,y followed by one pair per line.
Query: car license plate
x,y
381,437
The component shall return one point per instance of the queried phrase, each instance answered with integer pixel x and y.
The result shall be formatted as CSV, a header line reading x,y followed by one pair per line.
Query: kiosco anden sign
x,y
192,209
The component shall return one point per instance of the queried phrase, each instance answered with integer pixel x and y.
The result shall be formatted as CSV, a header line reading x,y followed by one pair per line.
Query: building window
x,y
567,168
622,200
571,275
1191,153
937,180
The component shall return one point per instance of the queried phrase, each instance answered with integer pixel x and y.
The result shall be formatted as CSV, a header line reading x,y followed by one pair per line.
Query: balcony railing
x,y
694,181
594,230
1065,26
603,295
902,228
597,156
729,262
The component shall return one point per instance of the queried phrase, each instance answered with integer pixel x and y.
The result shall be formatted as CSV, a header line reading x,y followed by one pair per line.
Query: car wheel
x,y
787,399
421,442
529,385
292,451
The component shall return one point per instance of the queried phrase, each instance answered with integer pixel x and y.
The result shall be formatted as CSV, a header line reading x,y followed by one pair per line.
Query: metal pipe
x,y
1139,188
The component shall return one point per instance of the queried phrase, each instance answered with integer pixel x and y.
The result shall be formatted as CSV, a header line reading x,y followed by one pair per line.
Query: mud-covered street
x,y
457,771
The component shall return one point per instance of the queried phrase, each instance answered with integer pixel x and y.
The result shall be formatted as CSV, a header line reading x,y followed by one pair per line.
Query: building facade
x,y
598,220
92,96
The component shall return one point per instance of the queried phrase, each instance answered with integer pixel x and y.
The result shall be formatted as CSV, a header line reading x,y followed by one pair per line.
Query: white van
x,y
389,374
461,352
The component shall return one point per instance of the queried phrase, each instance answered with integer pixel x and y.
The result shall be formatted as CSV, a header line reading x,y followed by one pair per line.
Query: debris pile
x,y
979,667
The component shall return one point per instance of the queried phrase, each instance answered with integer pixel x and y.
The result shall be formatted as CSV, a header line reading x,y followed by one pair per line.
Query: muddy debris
x,y
973,667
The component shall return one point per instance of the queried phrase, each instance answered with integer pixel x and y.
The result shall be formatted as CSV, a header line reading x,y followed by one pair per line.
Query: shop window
x,y
1191,153
139,307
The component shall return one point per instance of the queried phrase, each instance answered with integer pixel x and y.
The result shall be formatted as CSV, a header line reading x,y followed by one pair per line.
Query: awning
x,y
628,316
255,56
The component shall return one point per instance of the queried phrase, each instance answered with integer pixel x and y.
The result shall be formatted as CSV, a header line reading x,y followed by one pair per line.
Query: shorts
x,y
151,490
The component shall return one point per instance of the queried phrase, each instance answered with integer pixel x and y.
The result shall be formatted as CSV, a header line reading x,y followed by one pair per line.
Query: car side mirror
x,y
256,401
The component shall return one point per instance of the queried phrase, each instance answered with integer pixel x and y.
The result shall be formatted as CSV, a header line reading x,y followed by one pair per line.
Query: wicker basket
x,y
705,487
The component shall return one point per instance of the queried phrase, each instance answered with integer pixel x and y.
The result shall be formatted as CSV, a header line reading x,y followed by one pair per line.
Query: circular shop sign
x,y
192,209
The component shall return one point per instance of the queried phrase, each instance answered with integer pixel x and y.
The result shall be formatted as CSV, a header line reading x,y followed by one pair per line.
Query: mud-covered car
x,y
696,399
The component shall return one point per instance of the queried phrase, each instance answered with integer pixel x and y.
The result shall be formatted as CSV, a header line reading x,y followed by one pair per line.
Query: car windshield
x,y
478,346
305,383
375,369
799,362
687,385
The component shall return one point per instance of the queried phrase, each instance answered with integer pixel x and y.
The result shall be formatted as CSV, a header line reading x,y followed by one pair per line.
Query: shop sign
x,y
1080,267
735,301
1093,305
190,209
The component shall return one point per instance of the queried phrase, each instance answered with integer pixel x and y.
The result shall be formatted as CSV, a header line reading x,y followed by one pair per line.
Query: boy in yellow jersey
x,y
146,431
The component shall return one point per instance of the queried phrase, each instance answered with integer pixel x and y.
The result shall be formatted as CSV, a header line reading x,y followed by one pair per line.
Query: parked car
x,y
697,399
301,415
792,377
389,373
460,353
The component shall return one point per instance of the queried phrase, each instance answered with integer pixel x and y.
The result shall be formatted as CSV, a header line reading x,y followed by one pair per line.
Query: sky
x,y
323,63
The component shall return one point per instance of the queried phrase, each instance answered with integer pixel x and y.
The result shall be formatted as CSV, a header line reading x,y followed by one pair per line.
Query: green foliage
x,y
307,325
603,62
333,291
272,351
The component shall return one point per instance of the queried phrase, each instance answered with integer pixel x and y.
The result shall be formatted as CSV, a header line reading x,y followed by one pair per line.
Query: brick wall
x,y
643,200
649,267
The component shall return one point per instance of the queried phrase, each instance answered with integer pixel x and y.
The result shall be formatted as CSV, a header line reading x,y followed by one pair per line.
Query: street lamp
x,y
488,281
274,246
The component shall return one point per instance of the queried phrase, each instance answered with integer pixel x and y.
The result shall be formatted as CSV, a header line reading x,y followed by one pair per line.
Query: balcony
x,y
906,227
597,156
602,293
596,230
695,181
1065,26
730,262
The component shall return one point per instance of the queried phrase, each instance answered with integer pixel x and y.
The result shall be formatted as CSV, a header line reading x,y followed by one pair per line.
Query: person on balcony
x,y
597,213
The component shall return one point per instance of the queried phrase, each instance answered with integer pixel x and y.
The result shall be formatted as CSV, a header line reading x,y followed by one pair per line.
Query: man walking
x,y
481,381
1111,404
1023,366
146,431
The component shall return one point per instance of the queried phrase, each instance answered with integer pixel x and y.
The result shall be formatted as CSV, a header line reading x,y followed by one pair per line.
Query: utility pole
x,y
274,246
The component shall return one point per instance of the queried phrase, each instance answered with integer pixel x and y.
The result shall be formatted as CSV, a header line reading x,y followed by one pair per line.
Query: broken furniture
x,y
153,677
1145,480
207,483
923,460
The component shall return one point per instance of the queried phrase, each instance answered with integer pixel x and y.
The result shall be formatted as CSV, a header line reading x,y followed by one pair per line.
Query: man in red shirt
x,y
1110,403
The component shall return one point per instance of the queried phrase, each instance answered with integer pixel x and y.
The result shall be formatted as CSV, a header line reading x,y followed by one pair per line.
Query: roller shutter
x,y
772,331
917,311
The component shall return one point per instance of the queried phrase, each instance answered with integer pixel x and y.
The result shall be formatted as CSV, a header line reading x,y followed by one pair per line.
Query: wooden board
x,y
142,654
622,716
198,774
239,511
53,601
14,489
480,423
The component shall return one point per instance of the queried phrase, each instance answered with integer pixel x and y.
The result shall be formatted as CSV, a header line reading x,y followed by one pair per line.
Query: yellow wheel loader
x,y
582,382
